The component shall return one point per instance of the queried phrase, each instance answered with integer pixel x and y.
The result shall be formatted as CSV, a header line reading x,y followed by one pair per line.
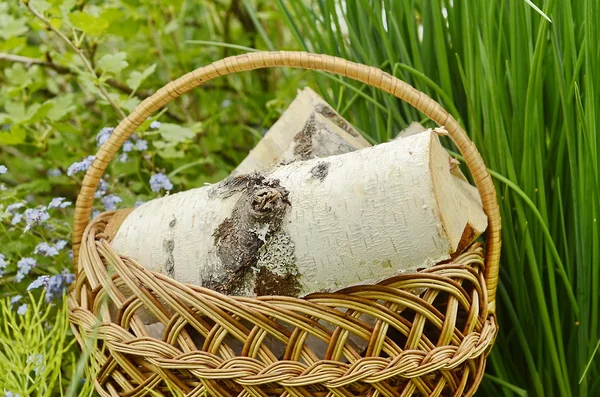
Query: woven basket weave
x,y
431,344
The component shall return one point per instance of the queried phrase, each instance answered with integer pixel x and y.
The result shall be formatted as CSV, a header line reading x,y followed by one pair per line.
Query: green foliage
x,y
526,89
36,352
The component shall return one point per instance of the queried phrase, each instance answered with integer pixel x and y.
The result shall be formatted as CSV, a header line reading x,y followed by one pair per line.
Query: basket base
x,y
424,334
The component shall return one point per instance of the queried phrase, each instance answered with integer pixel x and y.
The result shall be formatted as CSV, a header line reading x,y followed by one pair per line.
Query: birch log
x,y
311,225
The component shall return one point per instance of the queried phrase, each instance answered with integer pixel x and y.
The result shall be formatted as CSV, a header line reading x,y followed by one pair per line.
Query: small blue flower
x,y
226,103
155,124
138,203
13,207
22,309
41,281
37,360
123,158
141,145
54,172
16,219
68,277
160,181
15,299
103,135
11,394
3,264
60,244
25,265
80,166
45,249
3,169
59,202
110,202
128,146
35,216
101,190
57,284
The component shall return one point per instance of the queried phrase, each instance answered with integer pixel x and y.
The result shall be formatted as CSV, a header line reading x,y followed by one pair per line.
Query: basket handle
x,y
257,60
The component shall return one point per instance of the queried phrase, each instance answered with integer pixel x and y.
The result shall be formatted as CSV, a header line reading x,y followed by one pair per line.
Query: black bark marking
x,y
235,184
169,247
262,204
303,147
269,283
332,115
320,171
317,140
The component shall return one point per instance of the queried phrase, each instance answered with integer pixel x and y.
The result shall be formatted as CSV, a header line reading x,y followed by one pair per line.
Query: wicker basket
x,y
431,344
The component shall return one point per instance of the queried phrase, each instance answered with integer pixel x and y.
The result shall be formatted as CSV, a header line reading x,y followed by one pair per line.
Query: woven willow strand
x,y
127,362
368,75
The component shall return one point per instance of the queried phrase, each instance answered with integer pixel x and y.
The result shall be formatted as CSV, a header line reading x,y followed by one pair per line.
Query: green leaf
x,y
87,23
162,144
38,112
537,9
16,135
130,104
17,75
112,15
62,106
175,133
16,110
56,22
12,43
136,78
170,153
113,63
66,127
39,5
11,27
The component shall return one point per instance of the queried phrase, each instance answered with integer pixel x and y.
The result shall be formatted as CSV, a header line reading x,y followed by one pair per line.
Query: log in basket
x,y
431,344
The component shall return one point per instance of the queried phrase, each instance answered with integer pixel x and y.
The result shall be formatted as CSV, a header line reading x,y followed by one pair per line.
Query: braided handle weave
x,y
257,60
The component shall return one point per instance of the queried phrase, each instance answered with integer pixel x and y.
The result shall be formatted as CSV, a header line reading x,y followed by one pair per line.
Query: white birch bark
x,y
311,225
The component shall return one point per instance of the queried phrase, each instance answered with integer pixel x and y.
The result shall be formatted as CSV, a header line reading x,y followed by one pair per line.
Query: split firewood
x,y
309,128
314,225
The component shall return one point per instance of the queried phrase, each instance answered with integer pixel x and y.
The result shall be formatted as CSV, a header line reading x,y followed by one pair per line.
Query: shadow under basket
x,y
423,334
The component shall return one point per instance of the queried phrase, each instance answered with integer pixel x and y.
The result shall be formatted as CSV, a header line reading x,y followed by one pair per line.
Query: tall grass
x,y
528,92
